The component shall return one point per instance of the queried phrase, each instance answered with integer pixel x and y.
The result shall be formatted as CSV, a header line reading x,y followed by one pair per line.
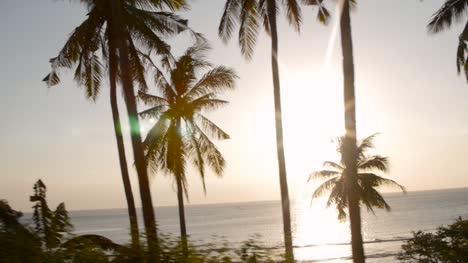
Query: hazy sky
x,y
407,89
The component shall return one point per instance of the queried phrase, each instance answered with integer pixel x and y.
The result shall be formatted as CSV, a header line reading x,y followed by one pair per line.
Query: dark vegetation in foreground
x,y
448,245
50,239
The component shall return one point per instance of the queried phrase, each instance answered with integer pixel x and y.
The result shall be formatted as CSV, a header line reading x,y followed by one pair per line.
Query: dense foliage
x,y
447,245
50,240
367,179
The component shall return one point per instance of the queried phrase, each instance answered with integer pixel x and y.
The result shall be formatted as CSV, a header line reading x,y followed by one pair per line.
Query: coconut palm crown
x,y
90,45
368,180
95,48
450,12
182,132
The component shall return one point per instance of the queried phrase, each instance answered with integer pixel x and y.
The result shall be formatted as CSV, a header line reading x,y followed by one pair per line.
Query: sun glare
x,y
312,115
319,234
312,100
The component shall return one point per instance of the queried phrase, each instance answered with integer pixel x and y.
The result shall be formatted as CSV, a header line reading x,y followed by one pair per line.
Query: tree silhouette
x,y
144,30
349,140
453,11
50,239
49,225
367,179
350,154
181,133
251,15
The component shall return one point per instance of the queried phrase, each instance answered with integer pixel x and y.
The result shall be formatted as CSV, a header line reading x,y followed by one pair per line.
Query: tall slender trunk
x,y
183,228
350,150
279,135
121,150
138,154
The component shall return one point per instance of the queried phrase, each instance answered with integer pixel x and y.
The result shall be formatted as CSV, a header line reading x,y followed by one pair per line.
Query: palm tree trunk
x,y
183,228
350,148
138,154
121,150
279,135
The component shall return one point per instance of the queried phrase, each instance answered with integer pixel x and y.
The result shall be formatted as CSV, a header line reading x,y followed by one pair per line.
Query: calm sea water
x,y
318,235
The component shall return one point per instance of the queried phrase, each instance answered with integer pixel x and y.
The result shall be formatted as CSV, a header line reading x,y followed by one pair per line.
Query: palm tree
x,y
336,174
453,10
349,140
251,14
98,32
182,133
350,153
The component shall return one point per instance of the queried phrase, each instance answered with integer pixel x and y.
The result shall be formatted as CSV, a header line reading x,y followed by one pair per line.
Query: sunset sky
x,y
407,89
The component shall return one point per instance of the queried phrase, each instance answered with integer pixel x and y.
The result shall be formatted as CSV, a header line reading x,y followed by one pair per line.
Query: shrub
x,y
447,245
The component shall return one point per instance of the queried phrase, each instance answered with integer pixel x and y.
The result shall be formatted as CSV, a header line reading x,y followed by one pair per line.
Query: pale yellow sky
x,y
407,89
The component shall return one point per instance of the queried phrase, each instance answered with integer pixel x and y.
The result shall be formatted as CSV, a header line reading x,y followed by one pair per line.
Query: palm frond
x,y
52,79
153,112
153,100
323,15
325,187
145,37
208,104
212,155
104,51
172,5
373,180
85,35
249,28
167,63
159,78
366,144
212,129
339,197
461,57
175,155
229,19
263,13
197,56
199,51
164,23
137,67
183,75
312,2
452,10
198,160
323,174
462,50
157,132
89,74
218,79
374,162
293,12
339,144
333,165
371,198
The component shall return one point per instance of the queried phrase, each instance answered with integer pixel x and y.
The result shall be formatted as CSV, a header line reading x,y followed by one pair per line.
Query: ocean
x,y
318,235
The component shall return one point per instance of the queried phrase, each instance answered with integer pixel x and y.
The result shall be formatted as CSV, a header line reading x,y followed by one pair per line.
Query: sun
x,y
312,118
313,101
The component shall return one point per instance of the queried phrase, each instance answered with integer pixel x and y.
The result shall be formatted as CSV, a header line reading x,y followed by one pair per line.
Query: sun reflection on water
x,y
318,232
